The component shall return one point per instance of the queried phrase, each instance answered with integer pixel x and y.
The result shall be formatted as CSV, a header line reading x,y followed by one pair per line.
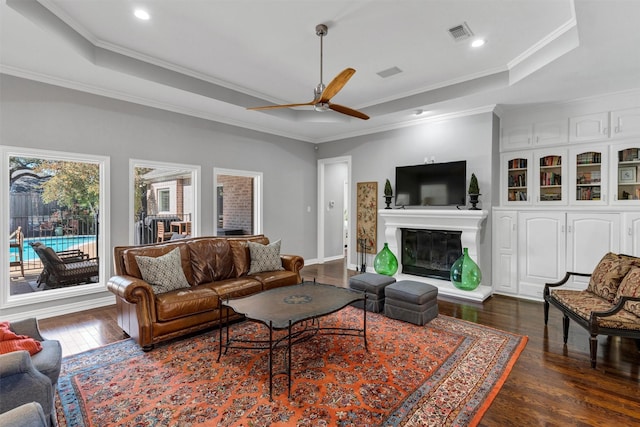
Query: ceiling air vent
x,y
389,72
460,32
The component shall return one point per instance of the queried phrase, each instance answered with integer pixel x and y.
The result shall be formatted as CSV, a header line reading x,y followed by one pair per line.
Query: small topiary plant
x,y
388,192
473,185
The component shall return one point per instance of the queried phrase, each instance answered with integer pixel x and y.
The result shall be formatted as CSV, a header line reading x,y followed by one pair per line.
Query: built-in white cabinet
x,y
540,134
541,251
516,137
505,252
551,133
626,173
516,177
534,247
589,237
550,171
631,233
588,175
625,123
589,127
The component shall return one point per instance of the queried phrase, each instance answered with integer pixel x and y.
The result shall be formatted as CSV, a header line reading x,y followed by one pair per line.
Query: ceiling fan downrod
x,y
321,31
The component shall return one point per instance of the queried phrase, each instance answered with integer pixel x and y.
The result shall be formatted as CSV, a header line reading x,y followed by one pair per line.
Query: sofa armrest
x,y
28,327
135,291
566,277
613,310
292,262
22,383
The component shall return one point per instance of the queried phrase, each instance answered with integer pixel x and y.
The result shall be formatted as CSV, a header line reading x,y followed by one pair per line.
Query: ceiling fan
x,y
322,94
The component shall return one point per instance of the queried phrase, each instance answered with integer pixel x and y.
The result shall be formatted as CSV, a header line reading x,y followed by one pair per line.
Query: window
x,y
163,193
164,200
58,201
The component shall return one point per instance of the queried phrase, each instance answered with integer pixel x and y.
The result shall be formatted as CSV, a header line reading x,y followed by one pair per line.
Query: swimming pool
x,y
57,243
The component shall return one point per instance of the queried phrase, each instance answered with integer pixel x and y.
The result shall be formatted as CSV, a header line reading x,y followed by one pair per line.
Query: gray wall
x,y
375,157
42,116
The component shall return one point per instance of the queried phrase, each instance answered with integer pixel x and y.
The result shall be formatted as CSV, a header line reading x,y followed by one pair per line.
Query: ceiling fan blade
x,y
348,111
273,107
336,84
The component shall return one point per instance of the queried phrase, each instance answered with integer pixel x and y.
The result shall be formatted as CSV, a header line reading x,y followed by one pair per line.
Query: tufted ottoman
x,y
413,302
373,285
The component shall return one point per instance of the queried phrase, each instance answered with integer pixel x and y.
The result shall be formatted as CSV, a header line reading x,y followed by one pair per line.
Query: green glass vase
x,y
465,273
385,262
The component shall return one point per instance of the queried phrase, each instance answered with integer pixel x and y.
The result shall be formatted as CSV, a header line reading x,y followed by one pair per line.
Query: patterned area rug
x,y
446,373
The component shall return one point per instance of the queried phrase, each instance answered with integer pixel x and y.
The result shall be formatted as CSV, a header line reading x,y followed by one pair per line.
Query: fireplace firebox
x,y
429,253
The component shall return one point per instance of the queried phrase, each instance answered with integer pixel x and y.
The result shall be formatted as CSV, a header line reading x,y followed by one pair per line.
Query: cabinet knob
x,y
617,129
605,131
630,231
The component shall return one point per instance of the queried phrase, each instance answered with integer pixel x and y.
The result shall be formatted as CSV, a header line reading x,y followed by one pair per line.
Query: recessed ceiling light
x,y
478,42
142,14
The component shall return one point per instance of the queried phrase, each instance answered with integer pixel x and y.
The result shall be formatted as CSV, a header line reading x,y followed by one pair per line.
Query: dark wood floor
x,y
550,385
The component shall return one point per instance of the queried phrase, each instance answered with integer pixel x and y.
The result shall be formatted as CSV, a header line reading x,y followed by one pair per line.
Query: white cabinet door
x,y
505,252
541,251
516,137
588,175
625,123
515,173
631,234
589,127
589,237
551,133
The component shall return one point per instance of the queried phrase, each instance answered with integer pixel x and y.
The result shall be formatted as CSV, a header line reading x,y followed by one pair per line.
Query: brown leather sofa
x,y
149,318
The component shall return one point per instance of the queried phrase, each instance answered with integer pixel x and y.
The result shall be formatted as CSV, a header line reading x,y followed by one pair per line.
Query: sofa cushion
x,y
584,302
630,287
264,257
608,274
241,255
185,302
276,279
211,260
131,265
163,273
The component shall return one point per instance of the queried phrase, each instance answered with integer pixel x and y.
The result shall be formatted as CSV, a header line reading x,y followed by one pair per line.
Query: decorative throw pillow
x,y
607,275
630,287
264,257
163,273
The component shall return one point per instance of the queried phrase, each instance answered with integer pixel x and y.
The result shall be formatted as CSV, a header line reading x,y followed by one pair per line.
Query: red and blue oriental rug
x,y
445,373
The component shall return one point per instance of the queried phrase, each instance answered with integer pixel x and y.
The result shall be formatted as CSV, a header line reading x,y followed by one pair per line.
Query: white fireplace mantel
x,y
469,222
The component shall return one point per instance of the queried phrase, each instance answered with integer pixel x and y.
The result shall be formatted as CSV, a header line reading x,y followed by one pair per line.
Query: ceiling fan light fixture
x,y
321,107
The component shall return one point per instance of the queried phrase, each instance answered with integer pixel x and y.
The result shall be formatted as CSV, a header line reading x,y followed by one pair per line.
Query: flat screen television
x,y
432,184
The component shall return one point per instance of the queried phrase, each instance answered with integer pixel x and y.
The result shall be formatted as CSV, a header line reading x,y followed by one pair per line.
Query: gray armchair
x,y
27,415
25,378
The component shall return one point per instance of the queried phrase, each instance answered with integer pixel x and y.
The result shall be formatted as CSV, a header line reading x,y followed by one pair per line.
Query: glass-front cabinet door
x,y
626,173
516,173
589,176
550,173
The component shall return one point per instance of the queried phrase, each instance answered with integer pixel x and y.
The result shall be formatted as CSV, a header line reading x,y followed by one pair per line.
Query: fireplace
x,y
458,228
429,253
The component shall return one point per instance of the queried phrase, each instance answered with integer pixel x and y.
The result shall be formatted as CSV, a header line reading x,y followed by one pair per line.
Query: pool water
x,y
57,243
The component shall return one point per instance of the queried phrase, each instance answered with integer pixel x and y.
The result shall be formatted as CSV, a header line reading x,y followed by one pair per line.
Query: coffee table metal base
x,y
301,325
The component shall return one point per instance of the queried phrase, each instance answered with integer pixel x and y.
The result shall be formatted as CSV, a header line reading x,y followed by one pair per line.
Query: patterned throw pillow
x,y
608,274
630,287
163,273
264,257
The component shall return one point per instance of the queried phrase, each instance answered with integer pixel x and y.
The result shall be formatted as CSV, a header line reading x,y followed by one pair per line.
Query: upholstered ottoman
x,y
373,285
413,302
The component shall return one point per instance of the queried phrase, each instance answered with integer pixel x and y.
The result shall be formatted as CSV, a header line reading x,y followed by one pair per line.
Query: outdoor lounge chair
x,y
66,267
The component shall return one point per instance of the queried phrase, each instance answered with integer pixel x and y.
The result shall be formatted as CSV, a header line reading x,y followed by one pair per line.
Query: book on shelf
x,y
551,161
628,155
589,158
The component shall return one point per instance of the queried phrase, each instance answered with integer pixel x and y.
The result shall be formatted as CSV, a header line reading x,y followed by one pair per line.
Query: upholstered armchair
x,y
25,378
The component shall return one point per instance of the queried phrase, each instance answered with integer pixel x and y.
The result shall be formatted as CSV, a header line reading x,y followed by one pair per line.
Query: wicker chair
x,y
65,268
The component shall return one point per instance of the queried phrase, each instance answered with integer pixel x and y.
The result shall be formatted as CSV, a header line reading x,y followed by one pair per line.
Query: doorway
x,y
334,208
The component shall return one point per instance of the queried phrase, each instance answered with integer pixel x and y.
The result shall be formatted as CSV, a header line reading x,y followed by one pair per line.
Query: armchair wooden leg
x,y
593,349
565,328
546,312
